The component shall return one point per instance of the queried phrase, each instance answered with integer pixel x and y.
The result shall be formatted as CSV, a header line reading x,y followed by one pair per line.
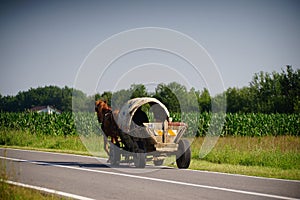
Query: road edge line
x,y
156,179
47,190
192,170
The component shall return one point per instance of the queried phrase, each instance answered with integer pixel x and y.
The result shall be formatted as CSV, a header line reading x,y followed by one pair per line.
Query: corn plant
x,y
199,123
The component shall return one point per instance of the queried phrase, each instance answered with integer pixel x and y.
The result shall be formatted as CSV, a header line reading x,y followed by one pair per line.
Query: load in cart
x,y
139,140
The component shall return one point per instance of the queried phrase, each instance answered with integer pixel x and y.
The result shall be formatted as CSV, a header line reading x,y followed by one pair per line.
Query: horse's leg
x,y
105,145
117,141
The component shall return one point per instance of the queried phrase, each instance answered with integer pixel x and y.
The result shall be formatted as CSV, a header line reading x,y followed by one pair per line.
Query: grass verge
x,y
268,156
282,152
12,192
269,172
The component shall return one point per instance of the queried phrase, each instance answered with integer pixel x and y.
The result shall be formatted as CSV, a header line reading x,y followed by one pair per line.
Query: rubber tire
x,y
139,160
115,155
183,156
158,162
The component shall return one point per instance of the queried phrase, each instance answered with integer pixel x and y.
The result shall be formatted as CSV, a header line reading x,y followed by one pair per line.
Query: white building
x,y
45,109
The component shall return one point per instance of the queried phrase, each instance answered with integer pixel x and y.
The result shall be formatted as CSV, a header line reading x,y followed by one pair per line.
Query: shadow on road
x,y
73,164
92,165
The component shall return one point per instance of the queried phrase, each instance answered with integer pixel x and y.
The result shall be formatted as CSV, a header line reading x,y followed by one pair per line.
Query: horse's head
x,y
101,108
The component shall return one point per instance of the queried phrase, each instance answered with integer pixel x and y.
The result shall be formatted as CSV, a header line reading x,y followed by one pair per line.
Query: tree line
x,y
267,93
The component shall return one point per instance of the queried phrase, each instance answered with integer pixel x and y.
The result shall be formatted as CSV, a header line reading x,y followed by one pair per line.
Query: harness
x,y
107,116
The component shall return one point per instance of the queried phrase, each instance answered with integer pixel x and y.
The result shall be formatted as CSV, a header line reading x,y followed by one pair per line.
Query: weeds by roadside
x,y
282,152
268,156
42,141
12,192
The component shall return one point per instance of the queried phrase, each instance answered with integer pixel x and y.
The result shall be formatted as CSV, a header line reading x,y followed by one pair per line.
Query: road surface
x,y
90,178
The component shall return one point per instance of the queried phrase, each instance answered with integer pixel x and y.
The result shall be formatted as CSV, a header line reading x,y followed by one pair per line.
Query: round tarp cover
x,y
127,111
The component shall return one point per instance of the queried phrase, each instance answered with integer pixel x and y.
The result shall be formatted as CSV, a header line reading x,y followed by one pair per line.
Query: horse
x,y
109,126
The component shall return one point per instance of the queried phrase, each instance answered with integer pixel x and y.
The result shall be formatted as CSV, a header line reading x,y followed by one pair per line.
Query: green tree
x,y
204,101
166,95
138,90
81,102
119,98
290,88
239,100
276,92
107,95
192,103
66,99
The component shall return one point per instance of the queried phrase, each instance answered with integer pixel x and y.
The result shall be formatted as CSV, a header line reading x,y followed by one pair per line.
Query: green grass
x,y
12,192
268,156
281,152
68,143
269,172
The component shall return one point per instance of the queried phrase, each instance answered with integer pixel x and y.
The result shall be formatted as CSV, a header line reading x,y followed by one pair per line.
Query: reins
x,y
105,115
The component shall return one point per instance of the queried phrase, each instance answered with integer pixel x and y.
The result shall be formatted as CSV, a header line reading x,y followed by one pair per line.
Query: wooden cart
x,y
142,141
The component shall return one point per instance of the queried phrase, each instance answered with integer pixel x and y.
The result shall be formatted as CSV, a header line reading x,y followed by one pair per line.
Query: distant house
x,y
45,109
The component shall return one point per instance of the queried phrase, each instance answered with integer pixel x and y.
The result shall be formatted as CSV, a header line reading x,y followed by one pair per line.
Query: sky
x,y
52,42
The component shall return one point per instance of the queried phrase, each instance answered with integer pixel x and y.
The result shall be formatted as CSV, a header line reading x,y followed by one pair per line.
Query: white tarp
x,y
127,111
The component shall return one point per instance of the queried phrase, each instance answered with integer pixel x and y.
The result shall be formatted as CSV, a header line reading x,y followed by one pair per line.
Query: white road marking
x,y
153,179
55,153
240,175
198,171
56,192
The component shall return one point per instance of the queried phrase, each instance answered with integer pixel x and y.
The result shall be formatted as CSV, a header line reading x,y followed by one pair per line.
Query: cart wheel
x,y
114,155
158,162
139,160
183,156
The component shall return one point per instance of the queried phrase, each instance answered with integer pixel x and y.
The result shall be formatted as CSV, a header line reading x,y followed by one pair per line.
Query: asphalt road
x,y
92,178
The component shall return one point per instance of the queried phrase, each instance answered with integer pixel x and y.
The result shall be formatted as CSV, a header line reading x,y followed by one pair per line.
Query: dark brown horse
x,y
108,124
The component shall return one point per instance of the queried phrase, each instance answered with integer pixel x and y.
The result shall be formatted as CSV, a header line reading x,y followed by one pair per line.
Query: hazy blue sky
x,y
45,42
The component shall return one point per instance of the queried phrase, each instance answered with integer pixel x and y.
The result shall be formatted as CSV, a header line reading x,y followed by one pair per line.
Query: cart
x,y
141,141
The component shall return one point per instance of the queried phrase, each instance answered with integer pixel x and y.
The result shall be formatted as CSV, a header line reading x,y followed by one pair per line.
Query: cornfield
x,y
262,124
199,124
38,123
